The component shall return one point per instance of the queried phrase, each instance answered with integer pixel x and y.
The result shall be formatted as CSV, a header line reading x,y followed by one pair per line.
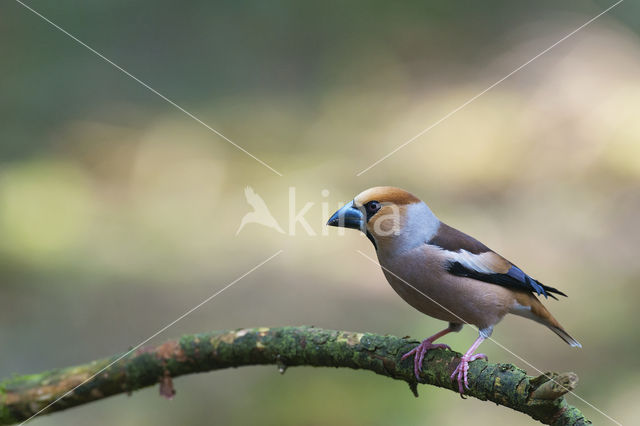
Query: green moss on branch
x,y
22,397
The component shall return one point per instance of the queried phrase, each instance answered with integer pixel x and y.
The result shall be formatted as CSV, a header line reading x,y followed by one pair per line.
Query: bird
x,y
260,213
444,273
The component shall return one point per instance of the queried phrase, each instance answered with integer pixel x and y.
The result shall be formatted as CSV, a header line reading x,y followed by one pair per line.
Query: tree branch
x,y
541,398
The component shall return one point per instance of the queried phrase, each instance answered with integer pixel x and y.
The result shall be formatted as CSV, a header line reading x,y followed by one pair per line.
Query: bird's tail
x,y
564,336
530,307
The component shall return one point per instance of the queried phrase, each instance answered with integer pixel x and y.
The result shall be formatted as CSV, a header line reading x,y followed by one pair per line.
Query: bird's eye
x,y
372,207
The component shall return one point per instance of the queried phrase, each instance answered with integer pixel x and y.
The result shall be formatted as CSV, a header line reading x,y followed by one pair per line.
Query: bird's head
x,y
385,213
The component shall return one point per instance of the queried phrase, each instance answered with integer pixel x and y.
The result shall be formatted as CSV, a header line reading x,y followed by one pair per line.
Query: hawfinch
x,y
443,272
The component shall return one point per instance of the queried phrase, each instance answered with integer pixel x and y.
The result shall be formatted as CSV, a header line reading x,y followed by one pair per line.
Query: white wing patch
x,y
476,262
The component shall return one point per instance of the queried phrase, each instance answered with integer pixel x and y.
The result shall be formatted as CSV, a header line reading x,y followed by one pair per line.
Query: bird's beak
x,y
348,216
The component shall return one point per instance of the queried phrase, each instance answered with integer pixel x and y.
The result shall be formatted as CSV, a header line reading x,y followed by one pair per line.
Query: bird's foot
x,y
462,369
419,352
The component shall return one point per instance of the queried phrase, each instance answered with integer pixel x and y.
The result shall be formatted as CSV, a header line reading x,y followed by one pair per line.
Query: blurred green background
x,y
118,212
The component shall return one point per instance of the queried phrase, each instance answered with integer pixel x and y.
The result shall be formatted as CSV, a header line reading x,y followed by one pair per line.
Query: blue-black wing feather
x,y
515,278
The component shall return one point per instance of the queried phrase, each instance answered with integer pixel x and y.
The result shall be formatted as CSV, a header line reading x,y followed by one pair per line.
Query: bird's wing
x,y
468,257
254,199
451,239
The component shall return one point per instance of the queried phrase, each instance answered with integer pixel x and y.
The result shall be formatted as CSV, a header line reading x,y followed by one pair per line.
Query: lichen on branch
x,y
541,397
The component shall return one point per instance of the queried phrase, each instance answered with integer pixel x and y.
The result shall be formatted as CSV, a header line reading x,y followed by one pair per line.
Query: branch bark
x,y
540,397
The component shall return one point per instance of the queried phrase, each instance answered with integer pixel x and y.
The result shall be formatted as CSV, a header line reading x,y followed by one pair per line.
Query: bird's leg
x,y
421,350
460,373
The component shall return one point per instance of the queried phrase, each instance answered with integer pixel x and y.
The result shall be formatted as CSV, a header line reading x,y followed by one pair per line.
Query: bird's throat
x,y
373,241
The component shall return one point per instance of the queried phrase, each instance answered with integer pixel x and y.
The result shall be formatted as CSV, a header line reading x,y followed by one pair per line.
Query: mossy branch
x,y
21,397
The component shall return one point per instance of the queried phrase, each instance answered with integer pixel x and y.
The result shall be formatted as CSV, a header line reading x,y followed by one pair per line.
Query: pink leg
x,y
462,368
421,350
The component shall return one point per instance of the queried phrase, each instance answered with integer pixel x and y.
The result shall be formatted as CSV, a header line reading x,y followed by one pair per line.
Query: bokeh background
x,y
118,212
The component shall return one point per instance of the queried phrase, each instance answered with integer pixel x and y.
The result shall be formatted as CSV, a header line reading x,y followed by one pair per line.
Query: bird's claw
x,y
462,369
419,352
